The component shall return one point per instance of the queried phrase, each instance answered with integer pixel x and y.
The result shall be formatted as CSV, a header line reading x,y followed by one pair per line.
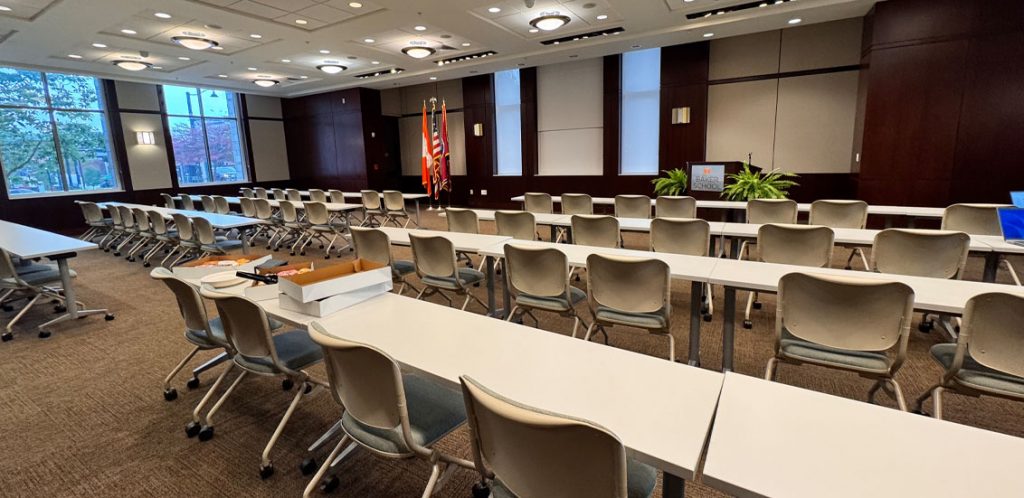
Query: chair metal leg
x,y
919,402
590,330
299,393
31,303
1011,270
196,417
937,402
212,362
311,487
435,472
900,400
671,348
208,419
512,314
181,364
772,368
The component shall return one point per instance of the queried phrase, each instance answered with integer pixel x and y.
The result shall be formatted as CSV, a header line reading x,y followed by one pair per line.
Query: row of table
x,y
414,198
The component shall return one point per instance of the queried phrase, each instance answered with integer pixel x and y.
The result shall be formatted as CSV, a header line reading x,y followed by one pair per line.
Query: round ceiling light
x,y
194,42
331,68
132,65
550,22
418,51
265,83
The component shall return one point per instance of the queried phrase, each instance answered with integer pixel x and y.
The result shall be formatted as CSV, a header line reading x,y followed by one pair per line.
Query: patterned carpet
x,y
83,413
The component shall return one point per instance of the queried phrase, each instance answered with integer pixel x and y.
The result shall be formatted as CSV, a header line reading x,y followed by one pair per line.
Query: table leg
x,y
673,486
910,221
991,267
734,246
728,328
506,297
417,201
69,296
696,289
489,266
244,237
553,233
888,221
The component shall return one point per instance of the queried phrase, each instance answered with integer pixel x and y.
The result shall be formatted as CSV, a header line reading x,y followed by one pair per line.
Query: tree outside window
x,y
205,135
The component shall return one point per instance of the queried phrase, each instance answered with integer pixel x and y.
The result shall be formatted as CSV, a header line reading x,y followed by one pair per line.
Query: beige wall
x,y
570,118
147,164
137,96
259,106
269,152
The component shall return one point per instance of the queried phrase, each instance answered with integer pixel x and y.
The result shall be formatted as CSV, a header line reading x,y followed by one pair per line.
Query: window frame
x,y
657,117
201,116
51,112
519,131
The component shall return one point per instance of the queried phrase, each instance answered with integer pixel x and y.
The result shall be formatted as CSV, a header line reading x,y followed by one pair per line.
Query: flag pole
x,y
433,108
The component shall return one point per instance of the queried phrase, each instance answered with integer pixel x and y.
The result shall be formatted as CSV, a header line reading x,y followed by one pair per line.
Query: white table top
x,y
660,410
217,220
770,439
466,242
999,245
331,206
848,236
539,218
28,242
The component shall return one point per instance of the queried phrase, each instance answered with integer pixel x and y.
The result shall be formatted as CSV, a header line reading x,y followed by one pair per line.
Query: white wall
x,y
147,164
570,118
269,151
408,101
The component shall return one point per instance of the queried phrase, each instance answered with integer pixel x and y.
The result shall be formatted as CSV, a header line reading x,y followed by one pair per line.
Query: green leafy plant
x,y
747,185
673,184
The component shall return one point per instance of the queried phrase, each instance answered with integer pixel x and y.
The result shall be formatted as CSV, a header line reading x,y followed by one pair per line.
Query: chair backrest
x,y
209,205
973,219
371,199
516,224
190,303
261,193
317,214
157,223
393,201
168,201
537,271
539,453
691,237
632,285
434,256
804,245
462,220
293,195
263,209
771,211
372,244
248,205
183,224
203,231
675,206
336,196
577,204
127,216
632,206
595,230
246,327
91,212
221,204
921,253
317,195
992,332
186,202
141,219
288,212
279,194
115,216
7,268
247,192
855,314
538,202
839,213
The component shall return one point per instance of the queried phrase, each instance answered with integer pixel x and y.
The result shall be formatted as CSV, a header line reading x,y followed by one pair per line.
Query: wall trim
x,y
787,74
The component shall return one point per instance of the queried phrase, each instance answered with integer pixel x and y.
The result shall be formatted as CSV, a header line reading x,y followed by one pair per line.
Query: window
x,y
54,135
204,135
641,85
509,133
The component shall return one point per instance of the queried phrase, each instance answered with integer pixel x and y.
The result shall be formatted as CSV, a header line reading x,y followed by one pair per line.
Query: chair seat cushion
x,y
467,276
550,303
294,348
640,481
223,245
639,320
975,375
199,338
434,411
403,267
810,352
26,267
42,277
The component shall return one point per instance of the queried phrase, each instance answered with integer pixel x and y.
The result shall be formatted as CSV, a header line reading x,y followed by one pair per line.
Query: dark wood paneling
x,y
612,118
528,120
684,83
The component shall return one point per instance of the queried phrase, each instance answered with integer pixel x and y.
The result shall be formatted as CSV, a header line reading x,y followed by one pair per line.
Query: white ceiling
x,y
257,37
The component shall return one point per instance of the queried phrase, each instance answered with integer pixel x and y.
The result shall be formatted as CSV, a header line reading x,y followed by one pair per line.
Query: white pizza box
x,y
328,305
195,270
334,280
266,292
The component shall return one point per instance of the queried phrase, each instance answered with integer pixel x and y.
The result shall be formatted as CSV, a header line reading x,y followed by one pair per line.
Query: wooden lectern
x,y
707,178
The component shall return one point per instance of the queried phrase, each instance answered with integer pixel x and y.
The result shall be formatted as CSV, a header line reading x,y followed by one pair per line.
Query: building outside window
x,y
205,135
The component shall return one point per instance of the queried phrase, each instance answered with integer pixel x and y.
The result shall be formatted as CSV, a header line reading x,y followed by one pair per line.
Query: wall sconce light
x,y
680,115
145,138
478,129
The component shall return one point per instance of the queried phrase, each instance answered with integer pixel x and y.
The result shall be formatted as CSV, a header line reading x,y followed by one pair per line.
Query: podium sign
x,y
708,178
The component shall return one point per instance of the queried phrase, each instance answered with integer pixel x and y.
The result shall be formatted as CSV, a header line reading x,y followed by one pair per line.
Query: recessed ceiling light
x,y
708,35
494,10
534,30
4,8
325,51
303,77
129,31
466,44
420,28
157,67
162,15
432,78
256,36
132,65
368,40
602,17
194,42
331,68
184,58
301,21
355,5
253,69
550,22
265,83
418,51
374,62
687,1
795,20
74,56
222,76
286,61
99,45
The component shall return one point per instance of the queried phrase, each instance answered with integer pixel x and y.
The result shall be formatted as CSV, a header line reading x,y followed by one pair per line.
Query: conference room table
x,y
219,221
770,439
415,198
31,243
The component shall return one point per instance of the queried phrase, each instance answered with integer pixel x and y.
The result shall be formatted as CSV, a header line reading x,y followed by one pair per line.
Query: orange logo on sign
x,y
707,171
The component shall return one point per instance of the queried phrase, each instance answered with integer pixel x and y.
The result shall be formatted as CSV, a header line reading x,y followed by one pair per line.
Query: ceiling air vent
x,y
376,74
735,8
584,36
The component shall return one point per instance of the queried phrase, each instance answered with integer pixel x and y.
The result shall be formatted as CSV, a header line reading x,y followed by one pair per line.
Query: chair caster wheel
x,y
308,388
303,253
848,267
476,284
192,383
757,305
43,334
108,317
206,434
497,272
266,471
747,324
926,327
192,429
321,246
327,257
329,484
703,309
131,260
308,466
481,490
60,309
170,394
287,384
7,336
707,317
919,412
117,254
577,278
8,307
291,254
146,265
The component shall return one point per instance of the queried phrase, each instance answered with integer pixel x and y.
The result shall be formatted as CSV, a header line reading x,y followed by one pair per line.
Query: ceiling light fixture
x,y
194,42
795,20
494,10
466,44
534,30
355,5
602,17
74,56
162,15
99,45
420,28
301,21
132,65
256,36
286,61
253,69
433,78
129,31
216,47
418,51
265,83
550,22
331,68
325,51
708,35
222,76
4,8
368,40
184,58
375,62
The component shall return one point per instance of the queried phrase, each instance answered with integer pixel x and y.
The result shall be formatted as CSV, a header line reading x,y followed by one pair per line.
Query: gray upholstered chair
x,y
293,195
221,205
188,244
260,192
801,245
128,227
45,282
317,195
853,324
144,231
516,224
538,279
336,196
463,220
168,201
595,230
631,292
538,202
319,226
691,237
165,238
978,219
394,209
577,204
632,206
257,351
525,451
210,243
98,225
186,202
760,211
247,192
988,357
289,228
373,211
373,244
437,268
279,194
675,206
209,205
841,214
392,414
116,230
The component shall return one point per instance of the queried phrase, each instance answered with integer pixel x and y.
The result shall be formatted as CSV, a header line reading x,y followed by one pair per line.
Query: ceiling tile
x,y
288,5
324,13
257,9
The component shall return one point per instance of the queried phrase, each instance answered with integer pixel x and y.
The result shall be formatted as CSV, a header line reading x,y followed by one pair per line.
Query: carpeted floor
x,y
83,414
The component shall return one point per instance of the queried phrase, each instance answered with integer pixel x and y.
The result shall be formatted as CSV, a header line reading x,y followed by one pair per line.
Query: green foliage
x,y
747,185
674,183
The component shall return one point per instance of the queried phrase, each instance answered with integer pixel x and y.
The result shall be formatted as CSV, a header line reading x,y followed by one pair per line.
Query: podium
x,y
708,178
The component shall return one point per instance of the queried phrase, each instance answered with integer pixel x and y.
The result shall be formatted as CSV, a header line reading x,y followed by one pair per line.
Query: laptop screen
x,y
1017,198
1012,222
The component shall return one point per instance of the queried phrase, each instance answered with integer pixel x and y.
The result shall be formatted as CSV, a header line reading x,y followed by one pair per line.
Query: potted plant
x,y
672,184
747,185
